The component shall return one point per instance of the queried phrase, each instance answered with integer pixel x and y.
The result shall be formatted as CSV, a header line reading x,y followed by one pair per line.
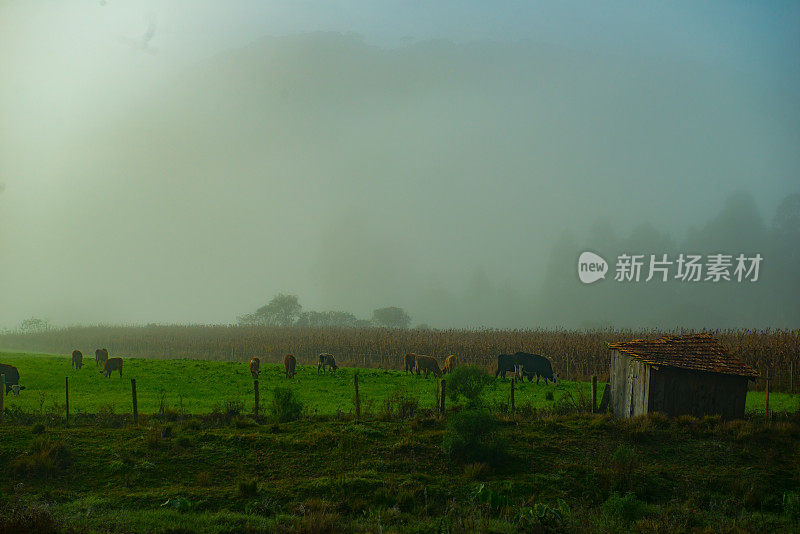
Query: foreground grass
x,y
574,473
199,386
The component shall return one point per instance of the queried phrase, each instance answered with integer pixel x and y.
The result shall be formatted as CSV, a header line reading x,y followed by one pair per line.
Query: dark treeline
x,y
564,302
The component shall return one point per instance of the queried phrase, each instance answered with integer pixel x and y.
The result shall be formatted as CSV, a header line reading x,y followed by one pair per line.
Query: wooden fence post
x,y
256,396
357,399
66,388
594,394
767,390
2,395
135,402
442,388
512,395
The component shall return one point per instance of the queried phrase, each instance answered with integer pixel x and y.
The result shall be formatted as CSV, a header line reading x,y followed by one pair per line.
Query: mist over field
x,y
149,178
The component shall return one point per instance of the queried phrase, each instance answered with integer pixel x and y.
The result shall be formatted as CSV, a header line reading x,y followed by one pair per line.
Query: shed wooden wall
x,y
680,391
630,386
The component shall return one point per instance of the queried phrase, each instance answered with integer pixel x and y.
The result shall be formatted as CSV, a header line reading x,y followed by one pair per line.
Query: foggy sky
x,y
371,156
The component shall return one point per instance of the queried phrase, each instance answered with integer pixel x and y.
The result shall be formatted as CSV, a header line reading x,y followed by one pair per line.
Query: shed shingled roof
x,y
697,352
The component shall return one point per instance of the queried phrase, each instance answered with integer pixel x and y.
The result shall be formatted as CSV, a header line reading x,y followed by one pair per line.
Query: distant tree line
x,y
286,310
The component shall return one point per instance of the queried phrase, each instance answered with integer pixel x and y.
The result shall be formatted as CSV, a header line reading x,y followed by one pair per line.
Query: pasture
x,y
200,386
553,469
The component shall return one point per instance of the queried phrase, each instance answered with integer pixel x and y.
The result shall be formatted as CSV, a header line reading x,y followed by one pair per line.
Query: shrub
x,y
470,437
548,396
38,428
626,508
468,382
285,407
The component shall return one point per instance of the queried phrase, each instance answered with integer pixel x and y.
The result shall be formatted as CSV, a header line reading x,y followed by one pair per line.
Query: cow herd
x,y
521,364
101,360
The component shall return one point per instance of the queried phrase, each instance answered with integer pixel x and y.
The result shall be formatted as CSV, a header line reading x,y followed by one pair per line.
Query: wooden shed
x,y
676,375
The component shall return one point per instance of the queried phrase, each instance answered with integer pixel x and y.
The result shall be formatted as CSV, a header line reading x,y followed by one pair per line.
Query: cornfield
x,y
576,355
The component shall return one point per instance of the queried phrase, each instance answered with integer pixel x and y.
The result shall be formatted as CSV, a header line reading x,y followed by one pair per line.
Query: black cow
x,y
533,364
505,364
12,377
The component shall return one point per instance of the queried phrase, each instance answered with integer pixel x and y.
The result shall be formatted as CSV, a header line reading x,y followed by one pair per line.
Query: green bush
x,y
285,407
468,382
470,437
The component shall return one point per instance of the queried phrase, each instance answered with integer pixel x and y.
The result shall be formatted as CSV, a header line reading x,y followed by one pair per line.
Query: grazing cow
x,y
449,364
100,357
112,364
526,364
506,363
12,378
289,362
77,359
427,365
255,367
410,360
326,360
533,364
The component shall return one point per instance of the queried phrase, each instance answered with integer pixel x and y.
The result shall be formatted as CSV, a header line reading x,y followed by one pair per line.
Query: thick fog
x,y
185,162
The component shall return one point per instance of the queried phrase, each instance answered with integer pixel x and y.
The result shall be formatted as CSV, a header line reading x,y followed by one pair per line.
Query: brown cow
x,y
289,362
77,359
326,360
449,364
410,358
427,365
100,357
255,367
112,364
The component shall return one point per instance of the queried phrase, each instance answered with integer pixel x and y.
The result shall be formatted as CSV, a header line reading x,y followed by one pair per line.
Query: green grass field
x,y
199,386
552,470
